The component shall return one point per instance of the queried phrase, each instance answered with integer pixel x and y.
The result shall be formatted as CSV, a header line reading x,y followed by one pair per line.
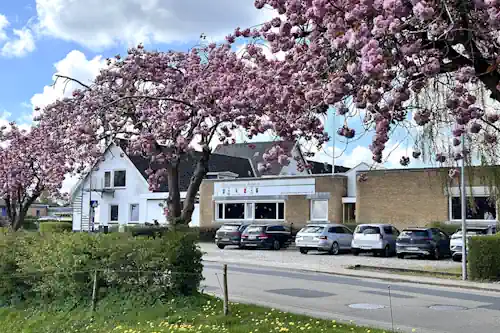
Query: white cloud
x,y
74,65
98,24
3,24
23,44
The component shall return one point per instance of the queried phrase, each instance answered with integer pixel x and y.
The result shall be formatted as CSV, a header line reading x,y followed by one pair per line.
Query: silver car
x,y
376,238
329,238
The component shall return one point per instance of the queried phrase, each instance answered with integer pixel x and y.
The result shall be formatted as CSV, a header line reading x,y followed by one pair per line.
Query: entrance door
x,y
350,212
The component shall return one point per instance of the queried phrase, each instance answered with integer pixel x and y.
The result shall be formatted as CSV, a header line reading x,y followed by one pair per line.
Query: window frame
x,y
110,179
119,170
311,203
248,204
450,208
111,213
130,213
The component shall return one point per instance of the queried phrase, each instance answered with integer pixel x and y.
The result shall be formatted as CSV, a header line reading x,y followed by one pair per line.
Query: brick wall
x,y
404,197
337,187
297,210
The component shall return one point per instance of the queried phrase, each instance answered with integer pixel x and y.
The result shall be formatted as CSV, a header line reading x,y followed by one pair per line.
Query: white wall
x,y
352,181
136,191
114,159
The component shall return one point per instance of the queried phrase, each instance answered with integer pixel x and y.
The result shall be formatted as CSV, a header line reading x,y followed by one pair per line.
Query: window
x,y
388,230
339,230
276,228
281,210
477,208
367,230
250,211
319,210
37,213
113,213
220,211
313,230
269,211
119,178
234,211
134,213
4,211
107,179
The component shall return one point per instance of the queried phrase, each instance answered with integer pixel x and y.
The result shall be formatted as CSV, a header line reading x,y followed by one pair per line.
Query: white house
x,y
116,192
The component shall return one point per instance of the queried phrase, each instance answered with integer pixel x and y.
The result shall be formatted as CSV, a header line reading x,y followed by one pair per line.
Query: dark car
x,y
272,236
229,234
428,242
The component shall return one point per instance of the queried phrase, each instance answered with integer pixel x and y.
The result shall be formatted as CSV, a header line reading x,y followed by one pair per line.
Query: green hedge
x,y
45,267
55,227
484,257
450,229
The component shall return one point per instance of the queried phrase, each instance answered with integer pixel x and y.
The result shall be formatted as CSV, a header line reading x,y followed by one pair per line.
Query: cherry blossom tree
x,y
33,162
169,103
431,63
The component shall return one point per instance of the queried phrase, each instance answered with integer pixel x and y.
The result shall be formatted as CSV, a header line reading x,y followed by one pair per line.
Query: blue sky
x,y
43,37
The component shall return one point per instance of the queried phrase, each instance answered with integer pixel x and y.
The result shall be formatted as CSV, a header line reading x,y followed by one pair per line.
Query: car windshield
x,y
414,233
254,230
367,230
229,227
312,230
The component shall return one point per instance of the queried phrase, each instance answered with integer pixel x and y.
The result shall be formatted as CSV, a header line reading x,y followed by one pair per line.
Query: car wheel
x,y
276,245
401,255
334,249
456,258
303,250
355,252
221,246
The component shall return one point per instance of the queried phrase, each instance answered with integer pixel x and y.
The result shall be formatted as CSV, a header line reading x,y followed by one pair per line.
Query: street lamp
x,y
464,211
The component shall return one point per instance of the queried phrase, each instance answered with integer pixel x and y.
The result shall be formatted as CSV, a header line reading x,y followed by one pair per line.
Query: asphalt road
x,y
339,297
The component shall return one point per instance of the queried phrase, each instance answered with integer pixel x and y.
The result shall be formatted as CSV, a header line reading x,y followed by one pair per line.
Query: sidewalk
x,y
493,287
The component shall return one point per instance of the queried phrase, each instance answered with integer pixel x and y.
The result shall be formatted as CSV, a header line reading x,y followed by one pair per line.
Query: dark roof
x,y
325,168
216,163
254,152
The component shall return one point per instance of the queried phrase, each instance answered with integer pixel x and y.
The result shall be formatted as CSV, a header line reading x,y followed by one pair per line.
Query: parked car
x,y
456,242
229,234
330,238
428,242
270,236
375,238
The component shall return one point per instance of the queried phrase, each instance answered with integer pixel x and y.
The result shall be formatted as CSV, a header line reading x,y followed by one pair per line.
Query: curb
x,y
383,278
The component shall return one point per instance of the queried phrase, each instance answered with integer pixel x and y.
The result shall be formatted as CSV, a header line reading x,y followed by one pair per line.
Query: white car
x,y
330,238
456,243
375,238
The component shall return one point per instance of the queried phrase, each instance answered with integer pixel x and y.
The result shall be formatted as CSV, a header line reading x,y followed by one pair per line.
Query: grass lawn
x,y
197,314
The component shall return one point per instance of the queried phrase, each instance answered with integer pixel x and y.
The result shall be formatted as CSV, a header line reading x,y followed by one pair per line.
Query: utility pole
x,y
464,212
333,139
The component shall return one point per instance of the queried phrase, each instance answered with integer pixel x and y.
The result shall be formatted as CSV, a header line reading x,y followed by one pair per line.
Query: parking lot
x,y
292,258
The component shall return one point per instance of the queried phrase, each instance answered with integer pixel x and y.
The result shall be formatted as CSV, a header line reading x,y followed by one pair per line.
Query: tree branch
x,y
72,79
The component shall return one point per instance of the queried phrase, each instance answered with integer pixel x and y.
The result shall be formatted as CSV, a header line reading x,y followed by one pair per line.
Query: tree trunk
x,y
199,174
174,194
17,211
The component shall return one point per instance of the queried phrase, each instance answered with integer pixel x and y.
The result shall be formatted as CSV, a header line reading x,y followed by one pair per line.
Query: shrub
x,y
206,234
59,227
49,266
447,228
484,257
